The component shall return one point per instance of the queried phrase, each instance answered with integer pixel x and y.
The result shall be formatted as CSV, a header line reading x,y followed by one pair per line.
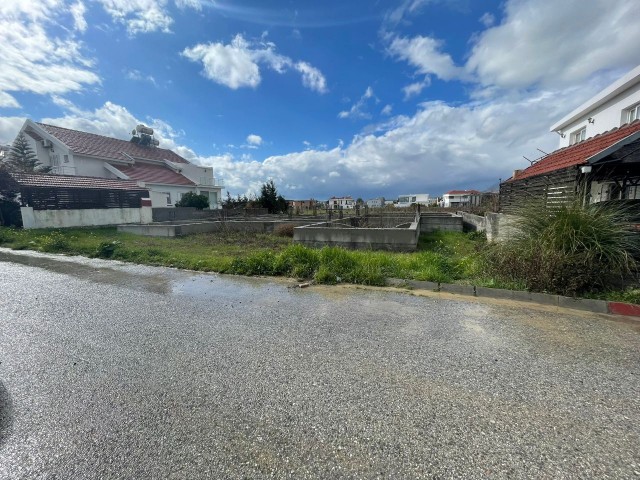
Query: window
x,y
168,197
579,135
631,114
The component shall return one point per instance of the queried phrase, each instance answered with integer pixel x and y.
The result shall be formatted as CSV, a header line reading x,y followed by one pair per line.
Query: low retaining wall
x,y
328,233
473,223
83,217
499,227
188,228
432,222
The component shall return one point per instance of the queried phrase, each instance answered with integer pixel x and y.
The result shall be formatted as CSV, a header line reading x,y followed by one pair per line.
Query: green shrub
x,y
297,261
570,250
54,242
107,249
191,199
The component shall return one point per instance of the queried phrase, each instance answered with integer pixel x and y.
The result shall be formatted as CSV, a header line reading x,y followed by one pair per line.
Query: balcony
x,y
62,170
210,182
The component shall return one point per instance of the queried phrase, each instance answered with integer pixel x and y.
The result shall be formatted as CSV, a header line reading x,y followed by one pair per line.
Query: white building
x,y
616,105
412,199
376,202
164,173
336,203
461,198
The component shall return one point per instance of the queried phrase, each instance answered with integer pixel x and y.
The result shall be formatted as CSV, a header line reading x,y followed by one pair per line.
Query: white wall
x,y
80,218
605,117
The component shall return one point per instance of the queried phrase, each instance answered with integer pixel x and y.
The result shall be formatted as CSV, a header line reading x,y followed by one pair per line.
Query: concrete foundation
x,y
340,233
176,229
432,222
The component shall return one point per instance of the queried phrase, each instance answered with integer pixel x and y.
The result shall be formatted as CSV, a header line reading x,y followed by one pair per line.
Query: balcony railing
x,y
210,182
62,170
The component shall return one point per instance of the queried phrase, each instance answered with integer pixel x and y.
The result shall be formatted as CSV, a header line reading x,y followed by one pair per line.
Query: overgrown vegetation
x,y
571,250
192,199
568,252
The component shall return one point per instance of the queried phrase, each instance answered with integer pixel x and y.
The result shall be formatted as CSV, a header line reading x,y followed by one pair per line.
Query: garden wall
x,y
83,217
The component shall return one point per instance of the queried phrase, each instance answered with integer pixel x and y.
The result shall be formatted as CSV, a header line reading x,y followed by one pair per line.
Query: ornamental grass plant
x,y
570,249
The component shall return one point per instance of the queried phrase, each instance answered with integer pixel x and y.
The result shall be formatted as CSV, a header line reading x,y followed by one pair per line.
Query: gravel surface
x,y
117,371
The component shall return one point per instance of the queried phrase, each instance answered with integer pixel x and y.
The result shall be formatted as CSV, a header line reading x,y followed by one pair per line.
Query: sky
x,y
365,98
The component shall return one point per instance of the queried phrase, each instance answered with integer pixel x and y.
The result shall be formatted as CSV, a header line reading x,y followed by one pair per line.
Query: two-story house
x,y
163,172
616,105
461,198
599,155
337,203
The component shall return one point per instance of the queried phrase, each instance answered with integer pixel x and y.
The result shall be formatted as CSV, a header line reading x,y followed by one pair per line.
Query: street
x,y
111,371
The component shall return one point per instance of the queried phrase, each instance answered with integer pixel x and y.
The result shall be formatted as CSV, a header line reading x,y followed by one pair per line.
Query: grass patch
x,y
447,257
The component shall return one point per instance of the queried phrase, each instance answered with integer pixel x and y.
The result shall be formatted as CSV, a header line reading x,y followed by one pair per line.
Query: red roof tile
x,y
150,173
463,192
85,143
72,181
579,153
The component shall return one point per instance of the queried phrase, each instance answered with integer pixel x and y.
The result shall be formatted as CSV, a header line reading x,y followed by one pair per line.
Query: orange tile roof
x,y
150,173
579,153
107,147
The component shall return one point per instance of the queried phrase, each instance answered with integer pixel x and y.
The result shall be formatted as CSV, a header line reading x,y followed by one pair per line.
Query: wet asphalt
x,y
115,371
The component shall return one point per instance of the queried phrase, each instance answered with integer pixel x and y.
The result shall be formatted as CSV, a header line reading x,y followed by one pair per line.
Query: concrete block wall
x,y
434,222
82,217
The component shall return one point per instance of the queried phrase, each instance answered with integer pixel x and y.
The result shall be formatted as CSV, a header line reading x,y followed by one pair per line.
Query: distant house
x,y
599,155
163,172
302,204
461,198
412,199
376,202
336,203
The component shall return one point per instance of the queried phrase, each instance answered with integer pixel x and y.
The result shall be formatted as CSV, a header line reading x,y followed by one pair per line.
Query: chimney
x,y
516,173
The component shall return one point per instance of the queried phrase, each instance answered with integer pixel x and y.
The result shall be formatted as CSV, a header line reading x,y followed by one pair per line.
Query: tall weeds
x,y
569,250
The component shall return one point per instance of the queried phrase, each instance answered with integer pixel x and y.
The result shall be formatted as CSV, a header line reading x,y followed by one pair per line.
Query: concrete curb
x,y
584,304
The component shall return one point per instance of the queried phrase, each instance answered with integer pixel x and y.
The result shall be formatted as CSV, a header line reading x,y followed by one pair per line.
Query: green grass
x,y
446,257
443,257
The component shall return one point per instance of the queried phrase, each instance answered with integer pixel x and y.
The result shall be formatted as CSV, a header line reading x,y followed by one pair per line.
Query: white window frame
x,y
579,135
632,113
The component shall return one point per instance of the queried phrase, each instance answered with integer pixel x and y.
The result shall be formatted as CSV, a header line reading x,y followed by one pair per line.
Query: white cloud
x,y
255,140
416,88
77,11
35,60
229,65
9,128
237,65
358,109
139,16
386,110
424,53
551,43
195,4
137,76
312,78
487,19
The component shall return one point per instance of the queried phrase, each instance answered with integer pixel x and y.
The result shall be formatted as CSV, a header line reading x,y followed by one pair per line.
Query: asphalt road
x,y
115,371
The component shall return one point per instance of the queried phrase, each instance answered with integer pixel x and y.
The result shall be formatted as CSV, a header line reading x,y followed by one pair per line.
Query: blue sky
x,y
362,98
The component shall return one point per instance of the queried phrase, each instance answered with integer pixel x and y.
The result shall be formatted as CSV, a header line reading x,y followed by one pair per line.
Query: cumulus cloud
x,y
255,140
487,19
415,88
237,64
35,60
550,43
425,54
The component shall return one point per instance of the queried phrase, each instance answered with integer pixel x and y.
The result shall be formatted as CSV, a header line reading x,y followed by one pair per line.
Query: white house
x,y
376,202
336,203
412,199
461,198
616,105
164,173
